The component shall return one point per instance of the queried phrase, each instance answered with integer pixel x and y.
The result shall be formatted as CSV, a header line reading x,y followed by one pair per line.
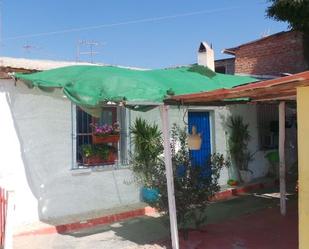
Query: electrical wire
x,y
145,20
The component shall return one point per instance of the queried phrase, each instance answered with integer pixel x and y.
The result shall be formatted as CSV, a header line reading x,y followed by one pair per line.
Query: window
x,y
100,141
220,69
268,126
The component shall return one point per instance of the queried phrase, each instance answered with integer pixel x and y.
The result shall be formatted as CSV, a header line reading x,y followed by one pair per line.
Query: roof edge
x,y
232,50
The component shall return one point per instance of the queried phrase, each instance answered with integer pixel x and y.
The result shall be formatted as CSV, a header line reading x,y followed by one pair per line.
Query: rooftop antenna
x,y
28,48
266,33
90,46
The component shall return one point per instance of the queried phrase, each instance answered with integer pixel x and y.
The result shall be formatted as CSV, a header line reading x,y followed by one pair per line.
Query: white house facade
x,y
39,160
42,133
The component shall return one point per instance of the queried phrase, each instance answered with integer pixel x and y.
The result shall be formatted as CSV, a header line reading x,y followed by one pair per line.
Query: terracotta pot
x,y
93,160
112,157
105,139
97,160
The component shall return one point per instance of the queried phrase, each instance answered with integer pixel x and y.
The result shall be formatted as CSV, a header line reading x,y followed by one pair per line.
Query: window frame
x,y
267,114
122,115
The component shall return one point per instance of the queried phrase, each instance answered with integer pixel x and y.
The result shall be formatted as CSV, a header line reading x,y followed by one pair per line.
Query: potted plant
x,y
195,185
97,154
148,148
273,159
238,140
232,182
105,133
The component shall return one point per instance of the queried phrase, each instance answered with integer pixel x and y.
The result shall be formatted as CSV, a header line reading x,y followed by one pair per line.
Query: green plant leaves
x,y
193,188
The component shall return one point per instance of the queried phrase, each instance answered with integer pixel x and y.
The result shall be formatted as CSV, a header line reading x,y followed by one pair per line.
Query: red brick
x,y
281,53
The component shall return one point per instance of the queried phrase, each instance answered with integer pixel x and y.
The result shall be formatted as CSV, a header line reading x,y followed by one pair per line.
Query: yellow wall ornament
x,y
194,139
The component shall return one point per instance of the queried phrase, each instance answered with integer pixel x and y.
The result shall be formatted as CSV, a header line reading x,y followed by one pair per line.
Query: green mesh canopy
x,y
90,86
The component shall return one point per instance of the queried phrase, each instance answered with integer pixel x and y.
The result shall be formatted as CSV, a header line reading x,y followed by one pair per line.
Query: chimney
x,y
205,56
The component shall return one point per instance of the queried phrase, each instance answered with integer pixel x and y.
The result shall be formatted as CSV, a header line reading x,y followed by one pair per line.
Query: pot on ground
x,y
150,194
246,175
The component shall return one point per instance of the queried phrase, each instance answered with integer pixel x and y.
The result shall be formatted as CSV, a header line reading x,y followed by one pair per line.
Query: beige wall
x,y
303,165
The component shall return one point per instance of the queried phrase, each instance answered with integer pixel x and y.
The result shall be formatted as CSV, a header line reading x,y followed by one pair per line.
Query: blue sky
x,y
150,42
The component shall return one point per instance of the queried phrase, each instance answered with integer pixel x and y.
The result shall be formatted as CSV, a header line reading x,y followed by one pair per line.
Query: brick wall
x,y
276,54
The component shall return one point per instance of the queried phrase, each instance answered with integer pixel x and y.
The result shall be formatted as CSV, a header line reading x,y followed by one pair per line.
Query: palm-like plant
x,y
193,188
239,138
148,147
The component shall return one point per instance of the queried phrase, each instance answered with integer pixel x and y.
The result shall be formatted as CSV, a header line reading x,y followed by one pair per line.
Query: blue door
x,y
201,121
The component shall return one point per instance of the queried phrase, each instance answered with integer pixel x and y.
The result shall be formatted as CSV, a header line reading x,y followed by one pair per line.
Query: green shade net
x,y
91,86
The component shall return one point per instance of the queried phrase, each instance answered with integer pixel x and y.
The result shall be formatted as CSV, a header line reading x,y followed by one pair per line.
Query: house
x,y
42,133
272,56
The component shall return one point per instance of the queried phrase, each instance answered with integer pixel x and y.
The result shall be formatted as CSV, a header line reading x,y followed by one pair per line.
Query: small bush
x,y
194,185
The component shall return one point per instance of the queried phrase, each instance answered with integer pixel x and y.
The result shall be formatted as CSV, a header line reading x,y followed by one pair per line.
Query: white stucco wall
x,y
13,175
259,166
36,156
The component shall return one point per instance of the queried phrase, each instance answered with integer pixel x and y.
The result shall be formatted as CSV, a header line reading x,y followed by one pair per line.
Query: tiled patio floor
x,y
265,229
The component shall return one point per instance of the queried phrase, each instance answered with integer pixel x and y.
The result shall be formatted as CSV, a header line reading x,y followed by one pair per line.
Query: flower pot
x,y
97,160
93,160
232,182
105,139
112,157
150,194
246,175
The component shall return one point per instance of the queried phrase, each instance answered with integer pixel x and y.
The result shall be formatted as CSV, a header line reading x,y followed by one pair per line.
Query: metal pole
x,y
169,178
282,157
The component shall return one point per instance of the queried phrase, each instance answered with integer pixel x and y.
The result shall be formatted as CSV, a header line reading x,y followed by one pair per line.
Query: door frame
x,y
211,125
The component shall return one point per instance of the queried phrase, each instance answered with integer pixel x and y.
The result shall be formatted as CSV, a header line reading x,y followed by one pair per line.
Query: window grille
x,y
83,135
268,126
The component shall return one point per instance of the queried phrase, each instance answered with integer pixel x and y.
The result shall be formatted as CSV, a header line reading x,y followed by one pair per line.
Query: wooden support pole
x,y
169,178
282,168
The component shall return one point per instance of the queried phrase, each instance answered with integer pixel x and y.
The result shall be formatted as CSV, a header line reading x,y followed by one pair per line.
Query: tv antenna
x,y
87,48
28,48
266,33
